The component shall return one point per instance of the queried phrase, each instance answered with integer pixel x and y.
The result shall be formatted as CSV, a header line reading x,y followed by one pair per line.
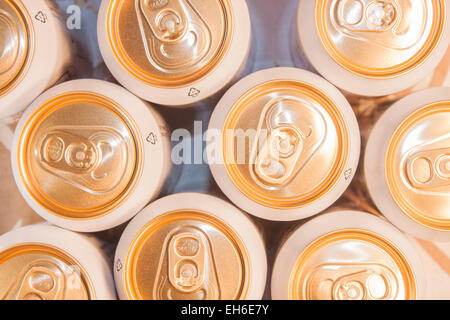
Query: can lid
x,y
169,43
79,155
15,37
380,39
41,272
285,143
351,264
418,166
187,255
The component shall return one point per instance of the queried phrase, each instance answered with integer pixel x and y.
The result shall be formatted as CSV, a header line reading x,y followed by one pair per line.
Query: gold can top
x,y
41,272
187,255
169,42
15,40
79,156
380,39
418,166
351,265
285,144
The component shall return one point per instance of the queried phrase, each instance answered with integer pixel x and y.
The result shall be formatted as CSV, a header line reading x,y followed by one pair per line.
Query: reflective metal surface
x,y
284,144
39,272
14,43
418,166
187,255
169,42
380,39
79,156
351,265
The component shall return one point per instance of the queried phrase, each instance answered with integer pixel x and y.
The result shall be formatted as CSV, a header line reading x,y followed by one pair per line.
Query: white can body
x,y
375,161
84,250
216,208
151,133
310,41
221,174
228,70
327,223
52,54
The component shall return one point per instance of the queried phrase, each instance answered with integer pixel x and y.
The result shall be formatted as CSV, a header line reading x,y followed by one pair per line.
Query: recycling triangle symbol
x,y
194,92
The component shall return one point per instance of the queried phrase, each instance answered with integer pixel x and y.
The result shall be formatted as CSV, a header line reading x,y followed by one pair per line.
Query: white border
x,y
334,221
216,207
225,72
156,158
374,161
82,249
219,171
51,55
346,80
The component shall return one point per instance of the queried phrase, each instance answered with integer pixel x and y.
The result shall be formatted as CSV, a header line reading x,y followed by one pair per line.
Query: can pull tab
x,y
365,285
166,18
42,280
294,130
367,15
187,261
276,161
429,168
68,152
190,267
352,282
90,158
179,37
394,24
9,42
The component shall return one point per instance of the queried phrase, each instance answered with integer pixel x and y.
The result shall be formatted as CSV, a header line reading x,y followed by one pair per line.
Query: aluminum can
x,y
190,246
88,155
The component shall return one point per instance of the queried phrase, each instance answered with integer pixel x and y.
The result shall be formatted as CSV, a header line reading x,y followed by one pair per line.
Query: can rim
x,y
338,167
34,120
